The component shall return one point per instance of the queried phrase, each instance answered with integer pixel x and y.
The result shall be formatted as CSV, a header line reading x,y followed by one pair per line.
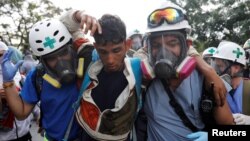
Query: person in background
x,y
246,47
12,129
229,63
16,55
28,63
208,53
136,41
136,37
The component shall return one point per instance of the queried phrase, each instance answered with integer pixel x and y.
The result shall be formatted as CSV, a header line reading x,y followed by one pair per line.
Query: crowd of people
x,y
10,127
133,87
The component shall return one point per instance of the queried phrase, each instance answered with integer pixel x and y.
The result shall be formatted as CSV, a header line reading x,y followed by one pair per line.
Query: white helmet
x,y
47,36
3,46
230,51
179,15
210,51
247,44
134,32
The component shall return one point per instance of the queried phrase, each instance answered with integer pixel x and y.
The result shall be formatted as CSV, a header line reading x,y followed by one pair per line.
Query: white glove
x,y
241,119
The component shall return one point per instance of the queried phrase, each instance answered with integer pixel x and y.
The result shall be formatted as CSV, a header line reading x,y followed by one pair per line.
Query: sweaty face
x,y
112,55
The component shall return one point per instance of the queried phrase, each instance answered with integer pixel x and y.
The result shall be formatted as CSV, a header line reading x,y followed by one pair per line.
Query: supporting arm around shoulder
x,y
75,20
69,21
210,77
223,115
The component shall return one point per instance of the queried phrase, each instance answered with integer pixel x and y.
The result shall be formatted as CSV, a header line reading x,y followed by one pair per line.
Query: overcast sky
x,y
133,12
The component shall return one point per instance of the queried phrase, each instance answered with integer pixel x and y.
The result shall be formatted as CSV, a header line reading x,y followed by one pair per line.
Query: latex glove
x,y
198,136
8,68
241,119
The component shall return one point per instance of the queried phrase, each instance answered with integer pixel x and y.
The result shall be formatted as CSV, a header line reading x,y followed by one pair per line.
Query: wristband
x,y
8,84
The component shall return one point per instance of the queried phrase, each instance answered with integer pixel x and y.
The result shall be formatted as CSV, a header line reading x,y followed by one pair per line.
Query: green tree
x,y
18,16
216,20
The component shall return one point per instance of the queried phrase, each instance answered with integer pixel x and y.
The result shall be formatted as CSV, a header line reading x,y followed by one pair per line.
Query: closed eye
x,y
116,50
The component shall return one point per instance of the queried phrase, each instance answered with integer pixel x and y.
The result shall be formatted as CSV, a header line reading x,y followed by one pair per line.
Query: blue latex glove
x,y
8,68
198,136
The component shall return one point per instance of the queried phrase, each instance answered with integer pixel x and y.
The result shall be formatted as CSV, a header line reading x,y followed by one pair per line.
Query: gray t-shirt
x,y
163,123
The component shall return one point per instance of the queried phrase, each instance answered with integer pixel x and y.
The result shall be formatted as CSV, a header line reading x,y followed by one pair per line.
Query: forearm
x,y
211,76
71,20
203,67
20,109
223,115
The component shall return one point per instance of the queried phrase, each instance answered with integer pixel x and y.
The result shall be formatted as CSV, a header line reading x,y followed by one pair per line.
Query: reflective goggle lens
x,y
170,15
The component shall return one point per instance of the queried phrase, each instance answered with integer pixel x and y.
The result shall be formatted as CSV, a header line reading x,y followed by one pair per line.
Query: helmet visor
x,y
169,46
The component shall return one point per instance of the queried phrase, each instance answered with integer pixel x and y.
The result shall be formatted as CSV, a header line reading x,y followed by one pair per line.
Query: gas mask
x,y
65,71
166,61
61,64
165,64
227,80
222,66
136,42
223,69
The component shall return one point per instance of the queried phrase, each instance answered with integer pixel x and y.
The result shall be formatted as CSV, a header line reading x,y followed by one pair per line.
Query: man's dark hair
x,y
113,30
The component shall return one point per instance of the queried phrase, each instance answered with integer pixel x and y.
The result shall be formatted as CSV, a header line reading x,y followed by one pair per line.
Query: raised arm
x,y
76,20
17,105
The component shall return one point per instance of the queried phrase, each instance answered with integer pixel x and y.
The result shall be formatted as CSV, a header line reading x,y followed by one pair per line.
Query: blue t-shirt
x,y
163,122
56,105
235,99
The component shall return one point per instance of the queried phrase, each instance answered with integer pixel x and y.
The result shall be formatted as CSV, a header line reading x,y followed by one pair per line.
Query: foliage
x,y
222,20
20,15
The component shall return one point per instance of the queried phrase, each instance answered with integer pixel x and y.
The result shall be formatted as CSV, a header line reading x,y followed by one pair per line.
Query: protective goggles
x,y
170,15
